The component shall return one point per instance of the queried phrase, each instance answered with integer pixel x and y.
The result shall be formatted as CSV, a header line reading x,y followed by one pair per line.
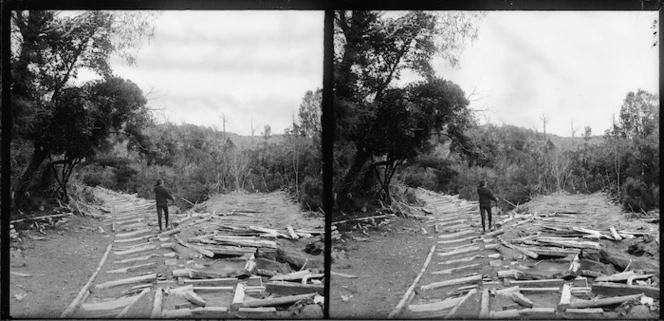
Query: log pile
x,y
216,266
578,268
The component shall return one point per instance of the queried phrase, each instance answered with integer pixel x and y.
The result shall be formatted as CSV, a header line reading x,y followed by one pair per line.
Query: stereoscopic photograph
x,y
166,164
495,165
485,164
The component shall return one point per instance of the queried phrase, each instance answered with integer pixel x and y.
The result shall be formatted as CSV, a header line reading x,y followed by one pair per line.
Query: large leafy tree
x,y
372,49
82,120
49,48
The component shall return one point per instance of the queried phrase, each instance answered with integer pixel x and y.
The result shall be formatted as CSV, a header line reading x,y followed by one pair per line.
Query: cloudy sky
x,y
242,64
257,65
563,65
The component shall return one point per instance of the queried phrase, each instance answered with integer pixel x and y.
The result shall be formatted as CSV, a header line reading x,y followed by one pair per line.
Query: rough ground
x,y
388,259
50,268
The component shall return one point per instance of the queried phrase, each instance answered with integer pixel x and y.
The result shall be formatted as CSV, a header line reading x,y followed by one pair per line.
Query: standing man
x,y
485,202
162,195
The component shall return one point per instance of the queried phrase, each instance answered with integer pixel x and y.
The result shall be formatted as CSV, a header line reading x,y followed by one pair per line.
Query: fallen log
x,y
137,279
203,251
456,235
460,251
574,244
565,298
171,232
294,276
458,240
454,248
614,233
156,304
519,298
574,266
133,268
39,218
188,293
197,274
84,291
454,228
134,233
613,289
363,219
291,288
537,313
435,306
132,227
136,250
246,242
198,313
521,275
494,233
604,302
140,238
278,301
292,233
465,259
457,269
212,288
108,307
238,297
518,249
463,299
219,281
538,283
507,314
135,259
469,279
123,313
539,290
408,296
624,276
485,305
554,252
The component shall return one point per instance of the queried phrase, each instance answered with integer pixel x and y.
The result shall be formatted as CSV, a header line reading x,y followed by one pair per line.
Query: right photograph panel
x,y
492,165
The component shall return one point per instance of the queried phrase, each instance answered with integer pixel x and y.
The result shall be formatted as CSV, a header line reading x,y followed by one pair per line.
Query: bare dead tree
x,y
545,120
253,129
574,129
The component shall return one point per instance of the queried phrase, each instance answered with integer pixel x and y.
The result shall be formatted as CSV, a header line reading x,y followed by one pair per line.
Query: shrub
x,y
311,193
637,196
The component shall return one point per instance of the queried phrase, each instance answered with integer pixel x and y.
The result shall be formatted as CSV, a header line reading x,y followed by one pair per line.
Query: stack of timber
x,y
202,266
522,278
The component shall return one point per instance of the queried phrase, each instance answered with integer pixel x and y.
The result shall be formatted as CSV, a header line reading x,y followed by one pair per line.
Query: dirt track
x,y
388,260
57,266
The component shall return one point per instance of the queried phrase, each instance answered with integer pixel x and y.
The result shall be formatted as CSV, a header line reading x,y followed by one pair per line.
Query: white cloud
x,y
565,65
246,64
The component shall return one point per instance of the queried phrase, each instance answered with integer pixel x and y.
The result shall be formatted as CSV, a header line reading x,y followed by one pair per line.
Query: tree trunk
x,y
21,188
361,157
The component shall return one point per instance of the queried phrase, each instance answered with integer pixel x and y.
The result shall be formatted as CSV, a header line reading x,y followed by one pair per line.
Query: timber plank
x,y
290,288
469,279
137,279
278,301
435,306
613,289
604,302
456,235
460,251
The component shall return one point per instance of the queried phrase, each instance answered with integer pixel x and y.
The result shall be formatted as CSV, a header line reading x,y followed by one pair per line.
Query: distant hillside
x,y
244,142
252,141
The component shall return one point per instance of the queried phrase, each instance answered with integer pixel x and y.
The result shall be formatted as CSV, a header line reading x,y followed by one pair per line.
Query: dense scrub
x,y
518,163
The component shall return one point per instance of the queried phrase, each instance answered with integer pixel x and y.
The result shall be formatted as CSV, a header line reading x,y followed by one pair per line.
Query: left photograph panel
x,y
166,164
